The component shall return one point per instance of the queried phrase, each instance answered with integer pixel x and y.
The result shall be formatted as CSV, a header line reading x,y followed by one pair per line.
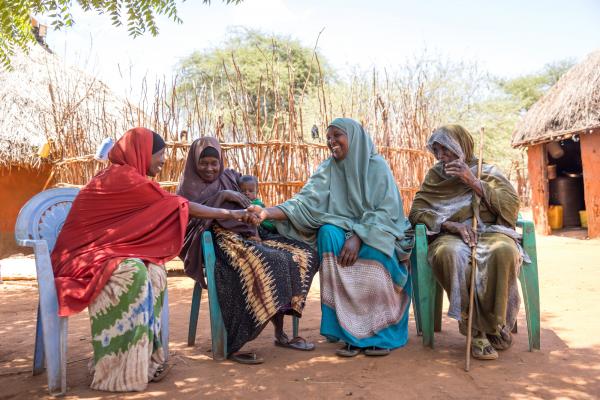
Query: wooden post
x,y
538,178
590,158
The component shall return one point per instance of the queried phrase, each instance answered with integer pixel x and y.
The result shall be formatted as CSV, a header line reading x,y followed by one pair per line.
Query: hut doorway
x,y
566,189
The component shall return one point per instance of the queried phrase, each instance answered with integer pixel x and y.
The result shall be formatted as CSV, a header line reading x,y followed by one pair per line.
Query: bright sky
x,y
505,37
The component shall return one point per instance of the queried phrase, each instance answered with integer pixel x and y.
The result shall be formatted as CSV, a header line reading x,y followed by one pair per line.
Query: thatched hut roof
x,y
43,98
571,106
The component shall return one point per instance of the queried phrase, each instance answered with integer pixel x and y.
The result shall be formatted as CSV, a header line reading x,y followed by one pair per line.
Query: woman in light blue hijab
x,y
351,210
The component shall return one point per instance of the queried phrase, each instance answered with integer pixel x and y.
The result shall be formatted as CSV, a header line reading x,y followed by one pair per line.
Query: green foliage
x,y
253,69
497,105
138,15
529,88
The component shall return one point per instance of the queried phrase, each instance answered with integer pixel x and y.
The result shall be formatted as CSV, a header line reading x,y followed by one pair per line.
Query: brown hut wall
x,y
590,158
539,187
17,185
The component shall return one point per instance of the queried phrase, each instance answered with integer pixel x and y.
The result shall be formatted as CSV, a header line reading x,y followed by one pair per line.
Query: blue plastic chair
x,y
38,225
427,292
217,327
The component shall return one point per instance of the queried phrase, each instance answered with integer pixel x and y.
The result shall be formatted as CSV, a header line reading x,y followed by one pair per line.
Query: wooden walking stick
x,y
473,260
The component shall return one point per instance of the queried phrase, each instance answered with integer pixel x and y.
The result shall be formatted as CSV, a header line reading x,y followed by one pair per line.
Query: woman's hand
x,y
245,216
461,170
234,197
260,213
463,230
349,253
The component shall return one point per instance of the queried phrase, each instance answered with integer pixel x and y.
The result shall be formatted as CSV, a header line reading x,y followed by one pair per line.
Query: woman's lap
x,y
125,319
498,262
257,280
365,304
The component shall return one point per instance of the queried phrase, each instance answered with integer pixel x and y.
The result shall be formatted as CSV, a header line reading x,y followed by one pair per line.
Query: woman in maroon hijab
x,y
109,257
257,280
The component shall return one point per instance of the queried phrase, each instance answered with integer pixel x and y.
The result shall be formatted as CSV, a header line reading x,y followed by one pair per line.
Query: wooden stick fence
x,y
268,142
266,161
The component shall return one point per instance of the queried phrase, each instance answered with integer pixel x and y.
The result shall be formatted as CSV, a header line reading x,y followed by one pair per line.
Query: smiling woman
x,y
258,279
337,141
351,211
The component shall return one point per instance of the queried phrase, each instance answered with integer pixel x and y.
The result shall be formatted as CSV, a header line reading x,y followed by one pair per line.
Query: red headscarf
x,y
119,214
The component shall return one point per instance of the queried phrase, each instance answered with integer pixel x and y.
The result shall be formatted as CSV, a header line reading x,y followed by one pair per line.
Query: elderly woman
x,y
446,203
257,280
351,210
109,257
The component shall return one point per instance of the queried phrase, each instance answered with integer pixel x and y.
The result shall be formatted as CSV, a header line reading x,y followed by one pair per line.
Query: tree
x,y
529,88
498,109
139,15
253,70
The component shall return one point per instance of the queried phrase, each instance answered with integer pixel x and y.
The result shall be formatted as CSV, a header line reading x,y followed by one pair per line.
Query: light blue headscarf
x,y
358,194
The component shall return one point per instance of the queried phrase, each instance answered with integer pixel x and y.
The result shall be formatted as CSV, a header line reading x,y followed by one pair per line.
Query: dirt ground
x,y
568,366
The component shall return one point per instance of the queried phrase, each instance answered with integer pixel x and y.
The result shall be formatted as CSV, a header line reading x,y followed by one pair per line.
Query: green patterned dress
x,y
126,319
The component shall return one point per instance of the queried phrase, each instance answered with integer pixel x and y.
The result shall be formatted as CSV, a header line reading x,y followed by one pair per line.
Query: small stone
x,y
348,393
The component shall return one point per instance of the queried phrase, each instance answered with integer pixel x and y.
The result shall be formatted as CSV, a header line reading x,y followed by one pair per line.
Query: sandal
x,y
332,339
481,349
296,343
377,351
247,358
501,341
348,351
161,372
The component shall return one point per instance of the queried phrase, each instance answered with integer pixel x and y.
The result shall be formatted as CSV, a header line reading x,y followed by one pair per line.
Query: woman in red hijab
x,y
109,257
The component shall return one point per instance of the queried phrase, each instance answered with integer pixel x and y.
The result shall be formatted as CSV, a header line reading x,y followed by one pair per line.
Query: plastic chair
x,y
427,292
217,327
38,225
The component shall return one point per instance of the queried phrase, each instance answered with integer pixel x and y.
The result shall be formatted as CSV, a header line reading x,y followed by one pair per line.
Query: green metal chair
x,y
217,327
427,293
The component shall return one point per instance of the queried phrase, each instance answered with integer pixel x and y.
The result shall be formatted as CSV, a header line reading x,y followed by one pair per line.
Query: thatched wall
x,y
42,98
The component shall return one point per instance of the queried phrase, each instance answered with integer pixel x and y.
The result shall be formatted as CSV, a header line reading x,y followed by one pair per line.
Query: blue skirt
x,y
365,304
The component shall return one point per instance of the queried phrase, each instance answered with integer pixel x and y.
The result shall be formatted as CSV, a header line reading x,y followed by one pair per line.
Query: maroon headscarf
x,y
119,214
194,188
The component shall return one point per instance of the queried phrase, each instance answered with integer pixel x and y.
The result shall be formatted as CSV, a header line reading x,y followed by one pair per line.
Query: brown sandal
x,y
161,372
501,341
296,343
247,358
481,349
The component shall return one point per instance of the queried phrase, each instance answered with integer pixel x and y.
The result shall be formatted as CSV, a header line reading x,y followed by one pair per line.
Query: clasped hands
x,y
252,214
255,214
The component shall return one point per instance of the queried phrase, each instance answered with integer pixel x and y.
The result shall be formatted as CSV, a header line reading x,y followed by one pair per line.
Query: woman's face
x,y
337,141
157,162
208,168
442,154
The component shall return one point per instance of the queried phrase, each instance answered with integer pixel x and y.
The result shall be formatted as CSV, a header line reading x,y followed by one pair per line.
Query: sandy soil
x,y
568,366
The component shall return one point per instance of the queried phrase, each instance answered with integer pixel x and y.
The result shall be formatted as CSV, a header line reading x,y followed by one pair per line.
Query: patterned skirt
x,y
497,298
256,280
125,320
365,304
